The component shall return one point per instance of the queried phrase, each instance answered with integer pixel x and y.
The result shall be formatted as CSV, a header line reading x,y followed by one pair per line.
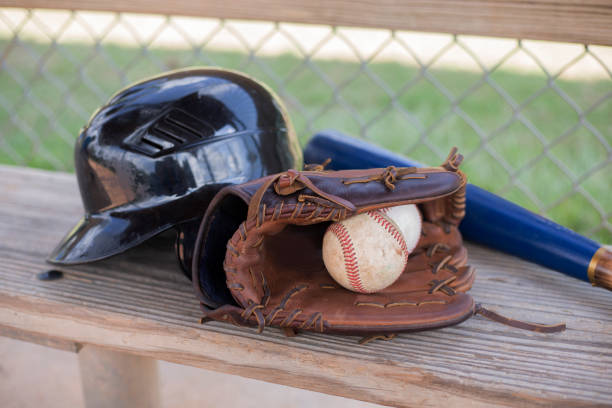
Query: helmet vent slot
x,y
151,143
173,130
156,143
188,124
164,132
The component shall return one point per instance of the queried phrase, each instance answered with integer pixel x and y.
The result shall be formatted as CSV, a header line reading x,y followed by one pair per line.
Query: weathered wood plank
x,y
588,22
43,340
140,302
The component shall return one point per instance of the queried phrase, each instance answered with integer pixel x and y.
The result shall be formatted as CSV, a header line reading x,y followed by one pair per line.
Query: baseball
x,y
368,252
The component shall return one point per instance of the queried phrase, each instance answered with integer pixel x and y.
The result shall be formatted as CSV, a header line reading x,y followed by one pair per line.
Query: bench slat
x,y
534,19
141,303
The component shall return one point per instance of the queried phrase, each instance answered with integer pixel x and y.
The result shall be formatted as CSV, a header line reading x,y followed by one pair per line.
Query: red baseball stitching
x,y
350,258
390,228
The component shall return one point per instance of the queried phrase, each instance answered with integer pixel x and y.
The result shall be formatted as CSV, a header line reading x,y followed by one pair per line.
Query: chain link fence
x,y
534,119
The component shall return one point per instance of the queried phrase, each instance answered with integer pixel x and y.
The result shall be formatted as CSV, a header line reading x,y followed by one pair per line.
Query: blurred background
x,y
533,118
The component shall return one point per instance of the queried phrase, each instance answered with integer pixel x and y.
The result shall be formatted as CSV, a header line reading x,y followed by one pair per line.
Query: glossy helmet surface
x,y
156,153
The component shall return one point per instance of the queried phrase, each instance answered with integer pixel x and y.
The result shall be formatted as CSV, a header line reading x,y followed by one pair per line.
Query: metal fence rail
x,y
533,119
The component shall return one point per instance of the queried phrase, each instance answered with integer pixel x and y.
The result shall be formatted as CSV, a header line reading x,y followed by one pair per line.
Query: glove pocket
x,y
287,285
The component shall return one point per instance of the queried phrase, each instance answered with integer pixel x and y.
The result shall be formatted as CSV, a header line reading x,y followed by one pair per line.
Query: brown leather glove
x,y
258,255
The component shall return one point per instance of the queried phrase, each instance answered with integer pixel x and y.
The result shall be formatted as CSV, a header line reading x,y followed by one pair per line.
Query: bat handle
x,y
600,268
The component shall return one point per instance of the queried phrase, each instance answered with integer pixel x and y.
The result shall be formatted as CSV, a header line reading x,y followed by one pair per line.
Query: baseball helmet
x,y
153,157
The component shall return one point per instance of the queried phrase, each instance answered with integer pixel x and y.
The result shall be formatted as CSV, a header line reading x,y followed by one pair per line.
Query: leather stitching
x,y
294,291
438,246
400,303
389,176
442,285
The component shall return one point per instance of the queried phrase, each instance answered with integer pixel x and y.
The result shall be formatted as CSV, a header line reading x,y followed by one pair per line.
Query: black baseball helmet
x,y
153,157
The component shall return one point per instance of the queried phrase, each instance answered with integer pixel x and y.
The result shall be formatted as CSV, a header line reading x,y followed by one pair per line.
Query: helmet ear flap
x,y
184,245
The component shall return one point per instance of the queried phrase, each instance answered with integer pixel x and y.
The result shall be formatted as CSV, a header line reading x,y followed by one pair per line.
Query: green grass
x,y
417,112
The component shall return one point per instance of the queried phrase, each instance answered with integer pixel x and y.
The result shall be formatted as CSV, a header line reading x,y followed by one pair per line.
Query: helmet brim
x,y
100,236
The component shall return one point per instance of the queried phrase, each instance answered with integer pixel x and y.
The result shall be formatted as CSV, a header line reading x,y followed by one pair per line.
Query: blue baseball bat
x,y
490,220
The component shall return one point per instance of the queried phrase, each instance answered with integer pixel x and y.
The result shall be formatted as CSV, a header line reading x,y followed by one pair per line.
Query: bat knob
x,y
600,268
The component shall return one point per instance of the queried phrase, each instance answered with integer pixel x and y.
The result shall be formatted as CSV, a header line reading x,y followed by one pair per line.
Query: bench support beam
x,y
116,379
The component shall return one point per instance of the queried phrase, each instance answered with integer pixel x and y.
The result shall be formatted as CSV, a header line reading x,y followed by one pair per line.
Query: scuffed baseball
x,y
408,219
368,252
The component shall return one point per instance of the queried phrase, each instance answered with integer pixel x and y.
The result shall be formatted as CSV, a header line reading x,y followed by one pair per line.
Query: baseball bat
x,y
490,220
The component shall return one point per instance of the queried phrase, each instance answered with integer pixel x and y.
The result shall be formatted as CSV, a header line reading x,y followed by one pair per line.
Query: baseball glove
x,y
258,258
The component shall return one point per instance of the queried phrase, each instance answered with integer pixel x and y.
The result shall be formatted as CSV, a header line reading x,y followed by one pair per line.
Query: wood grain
x,y
41,339
588,22
140,303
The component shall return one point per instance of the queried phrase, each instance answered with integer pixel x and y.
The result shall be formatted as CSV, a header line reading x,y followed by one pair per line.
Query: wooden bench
x,y
122,314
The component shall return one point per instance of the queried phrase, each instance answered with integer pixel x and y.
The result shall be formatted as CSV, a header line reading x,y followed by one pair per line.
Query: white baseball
x,y
368,252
